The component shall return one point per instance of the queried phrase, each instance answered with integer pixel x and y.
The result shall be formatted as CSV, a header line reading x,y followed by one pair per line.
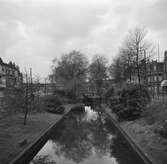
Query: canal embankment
x,y
16,137
143,132
94,138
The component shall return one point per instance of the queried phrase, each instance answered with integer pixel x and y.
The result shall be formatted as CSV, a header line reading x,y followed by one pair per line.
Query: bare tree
x,y
36,89
131,60
127,60
137,45
26,98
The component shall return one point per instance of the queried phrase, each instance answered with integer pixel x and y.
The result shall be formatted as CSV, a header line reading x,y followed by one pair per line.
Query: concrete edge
x,y
136,147
36,145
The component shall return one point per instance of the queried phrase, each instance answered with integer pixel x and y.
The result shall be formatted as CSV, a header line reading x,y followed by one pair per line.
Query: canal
x,y
87,138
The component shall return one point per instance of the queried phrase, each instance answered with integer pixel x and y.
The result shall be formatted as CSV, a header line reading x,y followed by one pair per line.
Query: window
x,y
155,68
155,78
160,78
149,79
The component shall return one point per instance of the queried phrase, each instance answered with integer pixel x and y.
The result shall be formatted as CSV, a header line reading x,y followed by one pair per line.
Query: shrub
x,y
13,101
109,93
156,111
115,104
51,101
130,102
78,107
161,129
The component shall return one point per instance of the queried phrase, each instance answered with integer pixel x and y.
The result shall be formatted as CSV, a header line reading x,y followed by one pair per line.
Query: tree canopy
x,y
70,70
98,72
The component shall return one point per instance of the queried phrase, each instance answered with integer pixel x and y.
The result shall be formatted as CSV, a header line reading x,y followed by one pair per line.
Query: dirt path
x,y
14,136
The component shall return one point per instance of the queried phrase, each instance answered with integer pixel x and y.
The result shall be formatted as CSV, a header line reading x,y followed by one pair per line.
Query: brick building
x,y
152,73
155,75
10,80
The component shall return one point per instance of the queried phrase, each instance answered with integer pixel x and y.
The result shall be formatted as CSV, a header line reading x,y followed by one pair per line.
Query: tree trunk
x,y
137,64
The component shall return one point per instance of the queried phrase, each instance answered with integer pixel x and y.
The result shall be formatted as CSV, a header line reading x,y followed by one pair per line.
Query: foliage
x,y
51,102
161,129
70,70
109,93
116,70
75,137
78,108
156,111
130,102
98,72
156,115
43,160
13,99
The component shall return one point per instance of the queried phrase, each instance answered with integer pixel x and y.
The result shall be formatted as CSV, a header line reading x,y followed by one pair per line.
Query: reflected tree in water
x,y
101,139
42,160
122,151
77,139
72,140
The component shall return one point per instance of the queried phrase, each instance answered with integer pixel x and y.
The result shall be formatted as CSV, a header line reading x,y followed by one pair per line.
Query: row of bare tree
x,y
133,55
73,69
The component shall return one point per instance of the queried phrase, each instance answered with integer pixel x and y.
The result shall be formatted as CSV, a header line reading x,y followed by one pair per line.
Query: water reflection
x,y
83,138
90,114
43,159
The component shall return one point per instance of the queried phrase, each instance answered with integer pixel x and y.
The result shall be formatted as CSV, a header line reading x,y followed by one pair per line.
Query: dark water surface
x,y
86,138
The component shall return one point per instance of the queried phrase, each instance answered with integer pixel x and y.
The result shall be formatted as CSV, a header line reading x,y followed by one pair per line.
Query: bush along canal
x,y
87,138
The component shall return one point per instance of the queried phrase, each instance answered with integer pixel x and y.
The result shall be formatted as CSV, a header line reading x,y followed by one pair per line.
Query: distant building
x,y
152,73
43,88
10,80
155,75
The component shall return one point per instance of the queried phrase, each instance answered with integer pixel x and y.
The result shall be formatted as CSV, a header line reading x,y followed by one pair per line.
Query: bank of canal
x,y
86,137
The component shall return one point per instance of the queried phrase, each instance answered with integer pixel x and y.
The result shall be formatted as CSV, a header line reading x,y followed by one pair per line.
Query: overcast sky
x,y
34,32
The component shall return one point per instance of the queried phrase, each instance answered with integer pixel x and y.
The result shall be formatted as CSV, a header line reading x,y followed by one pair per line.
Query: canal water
x,y
87,138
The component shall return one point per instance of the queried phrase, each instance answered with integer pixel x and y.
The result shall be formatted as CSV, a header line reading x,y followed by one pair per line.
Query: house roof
x,y
9,65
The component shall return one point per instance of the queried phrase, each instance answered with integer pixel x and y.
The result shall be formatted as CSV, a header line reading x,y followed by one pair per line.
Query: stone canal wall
x,y
143,155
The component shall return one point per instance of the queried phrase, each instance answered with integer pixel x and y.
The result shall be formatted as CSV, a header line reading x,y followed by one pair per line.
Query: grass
x,y
156,111
14,136
149,130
